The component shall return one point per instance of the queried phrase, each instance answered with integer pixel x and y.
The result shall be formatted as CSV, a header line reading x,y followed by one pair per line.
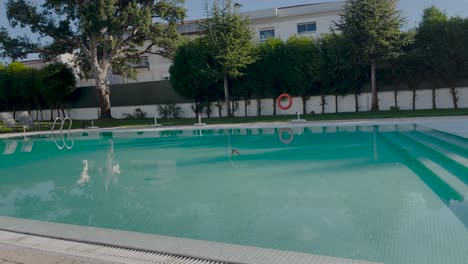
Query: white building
x,y
283,22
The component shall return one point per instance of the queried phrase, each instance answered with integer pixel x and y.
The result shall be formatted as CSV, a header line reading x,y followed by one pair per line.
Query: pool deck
x,y
22,255
17,250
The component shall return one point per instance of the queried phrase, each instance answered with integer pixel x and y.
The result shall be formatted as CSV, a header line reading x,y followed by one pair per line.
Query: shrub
x,y
394,108
137,114
171,110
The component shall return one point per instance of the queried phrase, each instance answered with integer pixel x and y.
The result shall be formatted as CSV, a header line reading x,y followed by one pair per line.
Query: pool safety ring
x,y
284,96
288,131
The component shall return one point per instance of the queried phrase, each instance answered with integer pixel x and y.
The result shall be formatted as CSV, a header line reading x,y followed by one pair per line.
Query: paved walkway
x,y
20,255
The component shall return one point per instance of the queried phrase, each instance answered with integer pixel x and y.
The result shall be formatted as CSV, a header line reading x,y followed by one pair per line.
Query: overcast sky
x,y
412,9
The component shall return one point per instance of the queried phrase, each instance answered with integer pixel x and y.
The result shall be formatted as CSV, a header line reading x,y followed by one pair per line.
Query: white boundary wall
x,y
345,104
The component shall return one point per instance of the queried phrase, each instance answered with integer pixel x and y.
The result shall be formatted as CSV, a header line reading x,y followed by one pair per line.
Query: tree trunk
x,y
413,87
274,106
323,102
104,101
375,96
196,109
208,110
259,106
37,114
58,110
233,108
336,103
63,111
304,105
453,91
226,96
356,101
395,94
220,110
245,106
51,113
434,102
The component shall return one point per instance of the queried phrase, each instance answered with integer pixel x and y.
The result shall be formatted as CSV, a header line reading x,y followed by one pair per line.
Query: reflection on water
x,y
342,191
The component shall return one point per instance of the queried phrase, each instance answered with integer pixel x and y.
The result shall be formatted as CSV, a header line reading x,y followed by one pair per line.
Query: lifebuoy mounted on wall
x,y
284,96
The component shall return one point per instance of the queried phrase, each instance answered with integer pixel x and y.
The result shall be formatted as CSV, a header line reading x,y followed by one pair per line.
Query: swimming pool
x,y
390,194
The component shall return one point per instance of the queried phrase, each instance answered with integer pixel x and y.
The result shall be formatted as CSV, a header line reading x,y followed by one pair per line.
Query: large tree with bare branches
x,y
103,35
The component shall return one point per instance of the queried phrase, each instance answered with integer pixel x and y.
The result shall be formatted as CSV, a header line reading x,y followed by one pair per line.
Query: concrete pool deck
x,y
15,248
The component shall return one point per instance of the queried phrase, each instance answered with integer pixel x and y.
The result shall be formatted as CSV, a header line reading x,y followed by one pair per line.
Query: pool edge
x,y
198,249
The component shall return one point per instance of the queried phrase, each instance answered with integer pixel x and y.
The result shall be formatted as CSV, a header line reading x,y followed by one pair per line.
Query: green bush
x,y
137,114
171,110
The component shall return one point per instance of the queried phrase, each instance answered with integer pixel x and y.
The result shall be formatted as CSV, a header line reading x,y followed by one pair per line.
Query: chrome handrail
x,y
62,137
68,134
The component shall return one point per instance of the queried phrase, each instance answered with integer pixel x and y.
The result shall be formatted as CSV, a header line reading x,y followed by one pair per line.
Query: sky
x,y
411,9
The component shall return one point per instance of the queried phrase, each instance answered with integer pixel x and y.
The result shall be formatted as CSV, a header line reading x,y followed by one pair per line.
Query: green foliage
x,y
59,82
103,35
229,39
372,30
303,65
372,27
168,111
193,72
23,88
137,114
266,74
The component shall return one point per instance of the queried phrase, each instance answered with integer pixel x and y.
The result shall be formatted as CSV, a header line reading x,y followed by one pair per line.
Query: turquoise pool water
x,y
385,194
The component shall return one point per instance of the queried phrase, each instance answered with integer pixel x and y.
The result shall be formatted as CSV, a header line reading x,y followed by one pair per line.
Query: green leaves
x,y
372,27
194,74
22,87
230,39
59,83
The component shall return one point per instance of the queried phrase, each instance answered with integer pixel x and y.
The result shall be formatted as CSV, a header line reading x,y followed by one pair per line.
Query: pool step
x,y
446,176
447,137
458,148
450,161
442,182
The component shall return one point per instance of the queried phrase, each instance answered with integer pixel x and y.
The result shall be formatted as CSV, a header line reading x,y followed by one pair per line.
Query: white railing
x,y
63,138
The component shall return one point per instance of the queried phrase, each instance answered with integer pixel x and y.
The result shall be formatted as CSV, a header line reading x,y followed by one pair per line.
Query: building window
x,y
143,63
307,28
266,34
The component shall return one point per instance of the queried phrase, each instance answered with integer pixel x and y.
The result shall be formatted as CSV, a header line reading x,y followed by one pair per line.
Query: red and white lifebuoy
x,y
288,131
284,96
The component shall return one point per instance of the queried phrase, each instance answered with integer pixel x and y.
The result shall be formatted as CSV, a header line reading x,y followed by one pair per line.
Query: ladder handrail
x,y
62,137
63,123
69,133
55,122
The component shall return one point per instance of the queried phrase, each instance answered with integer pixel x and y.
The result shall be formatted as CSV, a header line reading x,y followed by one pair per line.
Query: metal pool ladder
x,y
63,142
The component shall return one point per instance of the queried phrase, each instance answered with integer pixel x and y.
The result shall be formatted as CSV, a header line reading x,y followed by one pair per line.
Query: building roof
x,y
192,26
296,10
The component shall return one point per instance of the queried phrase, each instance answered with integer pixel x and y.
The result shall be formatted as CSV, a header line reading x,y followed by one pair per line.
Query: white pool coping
x,y
198,249
457,125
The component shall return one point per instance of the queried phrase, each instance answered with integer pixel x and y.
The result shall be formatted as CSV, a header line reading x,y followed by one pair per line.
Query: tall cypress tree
x,y
230,40
372,27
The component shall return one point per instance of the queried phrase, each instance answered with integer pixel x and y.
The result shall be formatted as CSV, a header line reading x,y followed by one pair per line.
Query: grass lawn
x,y
318,117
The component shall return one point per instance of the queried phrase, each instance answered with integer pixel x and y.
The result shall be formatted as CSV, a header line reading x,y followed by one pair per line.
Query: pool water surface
x,y
390,194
